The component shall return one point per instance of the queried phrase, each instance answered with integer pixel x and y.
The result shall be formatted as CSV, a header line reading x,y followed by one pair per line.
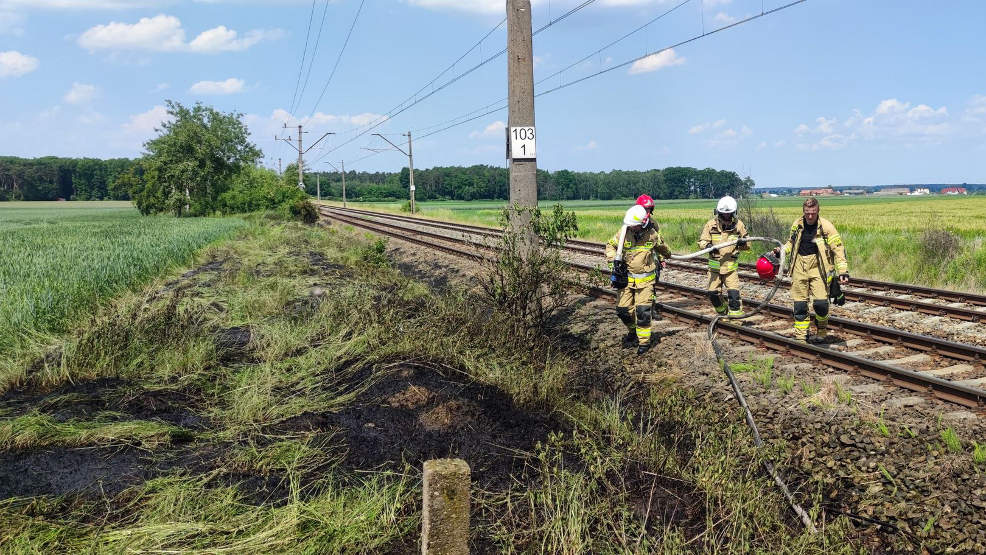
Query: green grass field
x,y
59,259
883,234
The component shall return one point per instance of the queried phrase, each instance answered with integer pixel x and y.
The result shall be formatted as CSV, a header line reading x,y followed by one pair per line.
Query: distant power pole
x,y
520,118
279,172
301,153
318,186
343,172
410,160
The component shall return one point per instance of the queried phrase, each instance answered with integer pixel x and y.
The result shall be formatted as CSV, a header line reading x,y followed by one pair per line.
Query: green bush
x,y
255,189
305,211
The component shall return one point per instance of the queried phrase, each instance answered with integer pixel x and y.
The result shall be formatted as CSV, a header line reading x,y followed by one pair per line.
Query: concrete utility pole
x,y
318,187
343,172
410,160
520,92
279,172
301,153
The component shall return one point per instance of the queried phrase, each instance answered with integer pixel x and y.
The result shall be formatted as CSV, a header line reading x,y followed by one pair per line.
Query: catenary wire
x,y
623,64
338,58
399,110
566,68
304,53
311,62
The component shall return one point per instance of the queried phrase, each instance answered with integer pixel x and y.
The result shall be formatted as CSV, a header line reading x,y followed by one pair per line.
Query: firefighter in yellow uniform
x,y
640,240
818,256
723,264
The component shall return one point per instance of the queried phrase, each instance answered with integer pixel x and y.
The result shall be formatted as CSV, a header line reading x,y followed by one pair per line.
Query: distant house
x,y
919,192
854,192
827,192
954,191
894,191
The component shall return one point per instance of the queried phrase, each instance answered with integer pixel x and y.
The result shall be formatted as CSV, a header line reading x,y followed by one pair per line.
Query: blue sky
x,y
825,92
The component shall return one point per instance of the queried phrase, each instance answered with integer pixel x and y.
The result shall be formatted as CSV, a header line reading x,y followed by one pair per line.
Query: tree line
x,y
53,178
490,182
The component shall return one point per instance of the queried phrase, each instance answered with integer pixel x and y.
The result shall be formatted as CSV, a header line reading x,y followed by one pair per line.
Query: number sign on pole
x,y
521,144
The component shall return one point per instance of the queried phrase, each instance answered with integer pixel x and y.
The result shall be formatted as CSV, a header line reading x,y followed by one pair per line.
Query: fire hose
x,y
724,365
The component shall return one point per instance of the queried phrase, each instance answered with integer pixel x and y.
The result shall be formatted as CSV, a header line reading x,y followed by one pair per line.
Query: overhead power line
x,y
338,58
401,108
676,45
304,53
311,63
500,106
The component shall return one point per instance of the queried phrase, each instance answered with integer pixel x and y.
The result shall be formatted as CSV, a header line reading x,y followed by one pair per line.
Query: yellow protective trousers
x,y
633,305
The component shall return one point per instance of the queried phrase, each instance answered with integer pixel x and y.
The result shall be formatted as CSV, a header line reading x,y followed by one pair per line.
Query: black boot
x,y
630,338
643,348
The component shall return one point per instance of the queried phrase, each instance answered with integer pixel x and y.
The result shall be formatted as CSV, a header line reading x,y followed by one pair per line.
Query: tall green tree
x,y
193,159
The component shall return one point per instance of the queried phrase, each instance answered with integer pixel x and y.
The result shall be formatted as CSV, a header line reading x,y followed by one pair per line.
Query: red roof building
x,y
954,191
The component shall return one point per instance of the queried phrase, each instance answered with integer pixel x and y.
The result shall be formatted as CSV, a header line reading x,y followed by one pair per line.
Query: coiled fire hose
x,y
724,365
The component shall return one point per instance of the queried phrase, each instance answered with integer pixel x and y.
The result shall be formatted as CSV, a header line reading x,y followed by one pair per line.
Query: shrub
x,y
940,245
527,279
305,211
255,189
406,207
762,221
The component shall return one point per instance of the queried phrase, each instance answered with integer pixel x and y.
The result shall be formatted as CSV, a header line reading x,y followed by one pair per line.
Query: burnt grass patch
x,y
417,412
129,401
59,471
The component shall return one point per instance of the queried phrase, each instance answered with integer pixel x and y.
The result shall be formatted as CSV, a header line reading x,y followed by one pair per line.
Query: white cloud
x,y
976,109
591,145
229,86
762,145
891,120
221,39
265,127
80,93
145,123
15,64
164,33
494,129
703,127
654,62
161,86
724,18
76,4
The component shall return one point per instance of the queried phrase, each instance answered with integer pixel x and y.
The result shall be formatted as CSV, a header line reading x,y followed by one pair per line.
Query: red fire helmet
x,y
767,266
646,201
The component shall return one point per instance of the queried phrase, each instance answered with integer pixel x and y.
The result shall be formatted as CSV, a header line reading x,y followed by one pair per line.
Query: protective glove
x,y
714,252
741,242
844,278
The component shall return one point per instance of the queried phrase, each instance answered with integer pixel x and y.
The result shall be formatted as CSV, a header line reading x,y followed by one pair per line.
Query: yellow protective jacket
x,y
828,241
725,261
638,253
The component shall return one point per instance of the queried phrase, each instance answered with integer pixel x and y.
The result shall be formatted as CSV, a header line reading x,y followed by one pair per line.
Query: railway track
x,y
968,307
937,358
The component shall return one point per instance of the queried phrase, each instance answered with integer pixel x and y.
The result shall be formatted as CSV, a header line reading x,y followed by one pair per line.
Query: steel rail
x,y
939,388
912,305
883,334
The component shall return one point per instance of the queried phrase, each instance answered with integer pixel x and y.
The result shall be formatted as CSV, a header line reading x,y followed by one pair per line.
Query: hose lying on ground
x,y
737,392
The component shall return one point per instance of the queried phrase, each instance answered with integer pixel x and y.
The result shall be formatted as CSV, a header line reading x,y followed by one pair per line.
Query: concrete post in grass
x,y
445,517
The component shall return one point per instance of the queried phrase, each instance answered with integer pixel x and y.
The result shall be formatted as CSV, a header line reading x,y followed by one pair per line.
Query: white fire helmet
x,y
636,215
727,205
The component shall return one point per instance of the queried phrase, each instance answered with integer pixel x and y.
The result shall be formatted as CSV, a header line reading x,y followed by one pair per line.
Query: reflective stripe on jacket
x,y
726,260
638,252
